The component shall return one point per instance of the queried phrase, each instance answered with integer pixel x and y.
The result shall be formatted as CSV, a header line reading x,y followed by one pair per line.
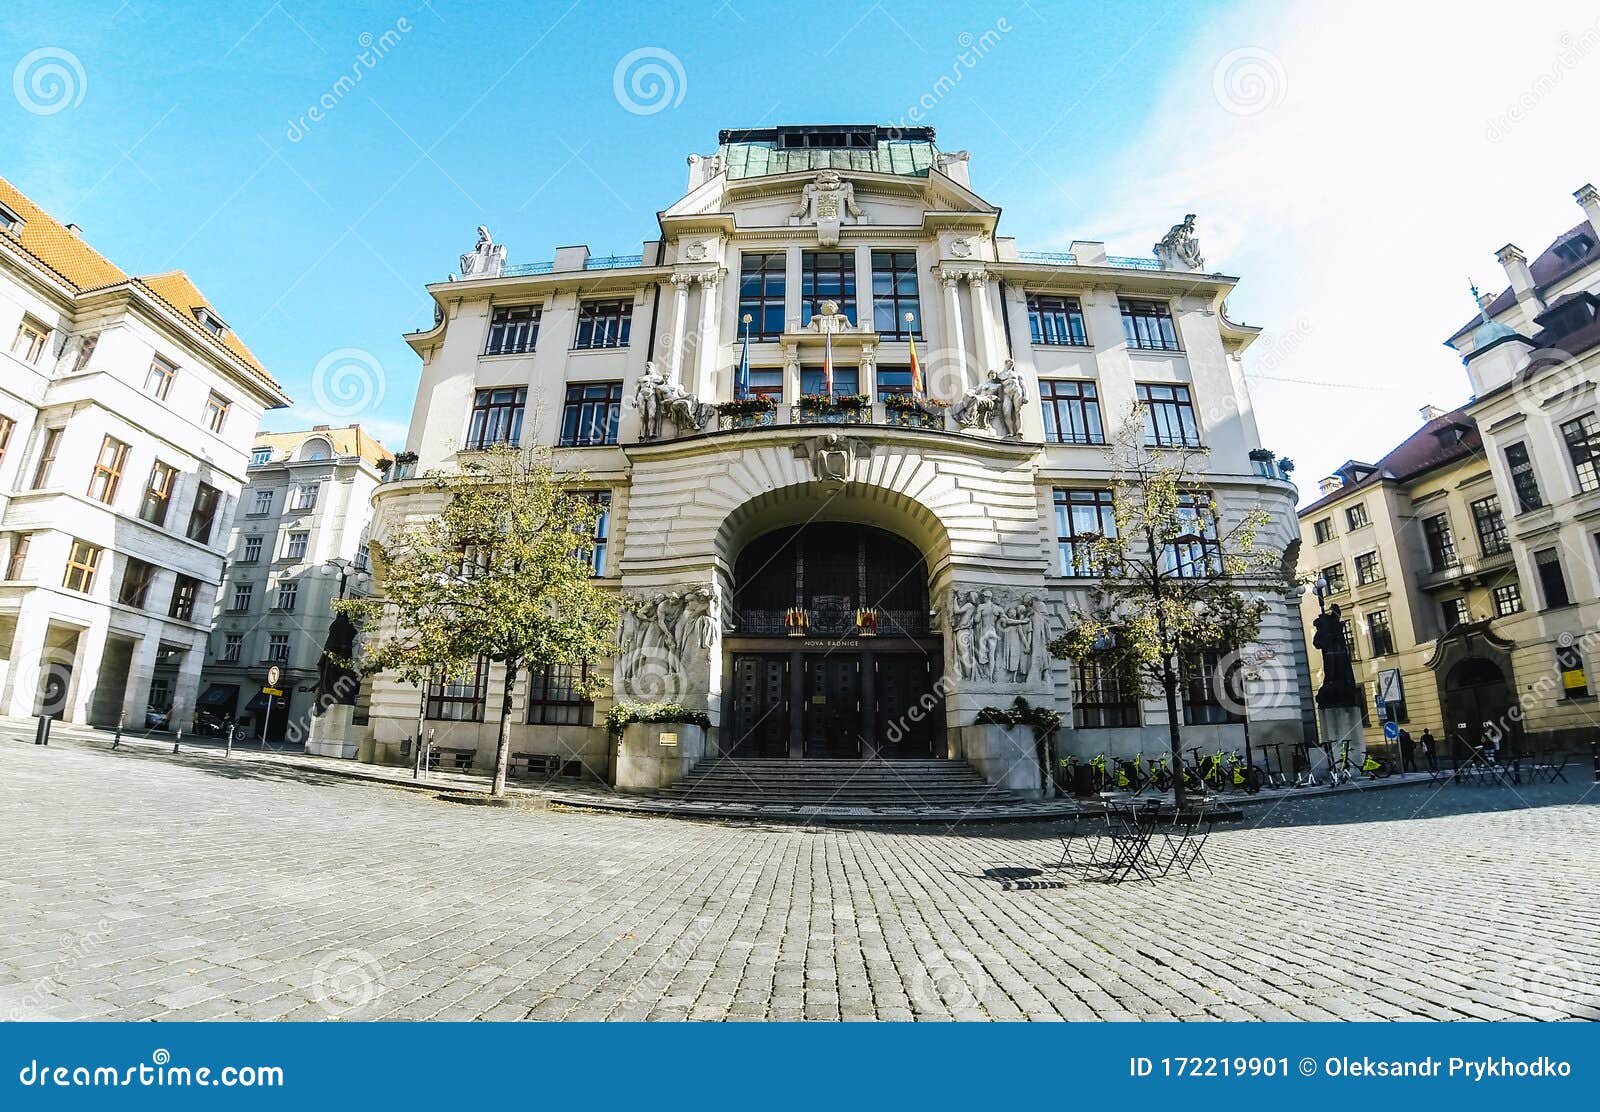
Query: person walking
x,y
1430,750
1408,751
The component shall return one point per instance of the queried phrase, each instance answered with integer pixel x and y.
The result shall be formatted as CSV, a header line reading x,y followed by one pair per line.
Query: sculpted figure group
x,y
1000,635
996,403
656,398
659,635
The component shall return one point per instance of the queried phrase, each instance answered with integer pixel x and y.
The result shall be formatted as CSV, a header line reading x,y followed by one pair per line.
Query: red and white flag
x,y
827,363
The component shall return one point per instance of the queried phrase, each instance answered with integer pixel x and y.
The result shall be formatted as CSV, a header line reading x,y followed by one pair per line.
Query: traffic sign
x,y
274,674
1391,730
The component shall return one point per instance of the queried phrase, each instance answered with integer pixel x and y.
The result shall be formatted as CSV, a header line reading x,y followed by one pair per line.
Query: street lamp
x,y
344,568
1321,589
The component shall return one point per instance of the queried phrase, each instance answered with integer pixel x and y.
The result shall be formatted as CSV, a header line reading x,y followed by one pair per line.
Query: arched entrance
x,y
1477,699
831,653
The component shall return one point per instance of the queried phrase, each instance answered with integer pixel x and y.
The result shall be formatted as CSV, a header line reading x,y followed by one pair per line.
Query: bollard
x,y
1594,750
228,749
176,739
41,734
116,738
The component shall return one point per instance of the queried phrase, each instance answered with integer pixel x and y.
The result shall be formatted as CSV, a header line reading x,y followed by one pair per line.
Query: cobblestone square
x,y
141,886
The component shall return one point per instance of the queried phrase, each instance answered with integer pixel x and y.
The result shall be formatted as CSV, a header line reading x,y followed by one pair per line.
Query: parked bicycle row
x,y
1223,770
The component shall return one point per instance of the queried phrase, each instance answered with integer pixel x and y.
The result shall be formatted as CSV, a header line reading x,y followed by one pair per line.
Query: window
x,y
1081,516
1440,541
1507,599
1491,526
1209,697
108,470
603,324
1523,480
316,448
160,692
232,647
252,550
47,457
1323,530
136,577
1168,416
209,321
1381,634
1148,324
1455,612
19,556
1054,321
10,221
30,341
288,594
894,295
1574,680
769,381
158,380
1105,693
204,514
305,496
183,596
1334,575
846,380
496,417
553,698
1356,517
1583,445
1071,411
1548,561
591,413
1197,552
459,696
296,548
260,456
827,276
86,348
157,493
892,380
761,289
217,412
1347,630
602,528
513,330
81,564
242,594
1368,570
278,648
263,502
7,427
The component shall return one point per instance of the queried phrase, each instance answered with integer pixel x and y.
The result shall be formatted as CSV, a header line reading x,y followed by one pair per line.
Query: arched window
x,y
316,448
831,570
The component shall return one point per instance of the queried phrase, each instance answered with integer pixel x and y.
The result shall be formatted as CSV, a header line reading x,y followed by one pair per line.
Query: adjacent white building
x,y
808,573
127,410
298,540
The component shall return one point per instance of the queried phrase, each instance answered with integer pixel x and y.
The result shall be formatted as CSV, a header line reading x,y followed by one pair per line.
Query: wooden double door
x,y
837,705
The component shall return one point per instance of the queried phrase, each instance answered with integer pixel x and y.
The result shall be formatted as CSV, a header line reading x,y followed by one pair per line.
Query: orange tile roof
x,y
85,270
350,440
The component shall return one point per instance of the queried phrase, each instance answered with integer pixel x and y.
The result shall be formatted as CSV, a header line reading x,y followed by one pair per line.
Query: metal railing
x,y
803,414
527,268
613,262
1067,258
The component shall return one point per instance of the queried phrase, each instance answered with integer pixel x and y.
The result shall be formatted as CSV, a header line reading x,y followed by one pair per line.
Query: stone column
x,y
187,688
707,345
957,335
680,312
864,320
983,322
141,669
791,289
85,674
27,651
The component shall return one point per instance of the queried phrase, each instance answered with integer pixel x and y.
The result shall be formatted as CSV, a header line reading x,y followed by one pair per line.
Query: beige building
x,y
854,578
127,410
1465,561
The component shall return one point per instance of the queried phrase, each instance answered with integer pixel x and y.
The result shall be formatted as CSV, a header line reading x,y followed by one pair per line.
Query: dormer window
x,y
260,456
10,221
210,321
1574,249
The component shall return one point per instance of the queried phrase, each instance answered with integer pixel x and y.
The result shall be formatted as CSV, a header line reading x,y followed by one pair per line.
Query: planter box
x,y
653,755
1005,756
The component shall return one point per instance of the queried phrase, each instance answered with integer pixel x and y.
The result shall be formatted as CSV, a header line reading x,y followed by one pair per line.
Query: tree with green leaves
x,y
1173,571
502,571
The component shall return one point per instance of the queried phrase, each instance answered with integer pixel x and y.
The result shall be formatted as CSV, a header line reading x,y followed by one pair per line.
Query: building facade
x,y
126,415
298,540
854,577
1465,561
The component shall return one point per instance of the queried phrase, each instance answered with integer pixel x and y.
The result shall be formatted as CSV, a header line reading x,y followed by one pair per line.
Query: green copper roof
x,y
909,158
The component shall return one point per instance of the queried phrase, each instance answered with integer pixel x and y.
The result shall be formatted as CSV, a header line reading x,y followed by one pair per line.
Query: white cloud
x,y
1383,155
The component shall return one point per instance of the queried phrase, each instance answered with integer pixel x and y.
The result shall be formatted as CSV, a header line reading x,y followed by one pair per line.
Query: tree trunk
x,y
416,748
502,749
1169,681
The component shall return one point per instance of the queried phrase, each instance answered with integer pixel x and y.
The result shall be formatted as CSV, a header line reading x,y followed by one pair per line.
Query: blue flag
x,y
741,377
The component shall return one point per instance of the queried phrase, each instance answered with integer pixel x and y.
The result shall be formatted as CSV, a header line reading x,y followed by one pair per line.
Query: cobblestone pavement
x,y
141,886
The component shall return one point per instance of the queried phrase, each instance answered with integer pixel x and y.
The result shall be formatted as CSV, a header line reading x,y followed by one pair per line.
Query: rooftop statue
x,y
486,258
1179,249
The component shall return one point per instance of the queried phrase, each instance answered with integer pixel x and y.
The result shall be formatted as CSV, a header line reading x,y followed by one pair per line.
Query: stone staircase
x,y
808,783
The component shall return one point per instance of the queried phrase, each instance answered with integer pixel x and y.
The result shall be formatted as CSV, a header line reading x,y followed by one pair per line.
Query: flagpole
x,y
741,377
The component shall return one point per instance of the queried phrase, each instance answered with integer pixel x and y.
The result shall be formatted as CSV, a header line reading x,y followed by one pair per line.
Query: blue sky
x,y
1317,150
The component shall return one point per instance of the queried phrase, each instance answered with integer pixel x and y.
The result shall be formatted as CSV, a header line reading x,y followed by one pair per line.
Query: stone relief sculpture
x,y
996,403
486,259
662,634
1001,635
656,398
829,319
1179,249
833,457
827,202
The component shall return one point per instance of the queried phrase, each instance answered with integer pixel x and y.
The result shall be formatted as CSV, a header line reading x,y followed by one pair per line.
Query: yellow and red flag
x,y
916,369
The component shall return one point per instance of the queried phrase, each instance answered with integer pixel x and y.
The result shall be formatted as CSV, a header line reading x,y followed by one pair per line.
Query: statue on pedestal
x,y
486,259
1339,688
337,682
1179,249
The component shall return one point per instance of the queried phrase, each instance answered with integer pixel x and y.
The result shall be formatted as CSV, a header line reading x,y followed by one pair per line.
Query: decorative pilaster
x,y
958,332
983,320
706,344
680,311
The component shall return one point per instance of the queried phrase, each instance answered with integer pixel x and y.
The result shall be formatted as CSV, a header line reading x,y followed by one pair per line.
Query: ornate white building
x,y
127,408
852,579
